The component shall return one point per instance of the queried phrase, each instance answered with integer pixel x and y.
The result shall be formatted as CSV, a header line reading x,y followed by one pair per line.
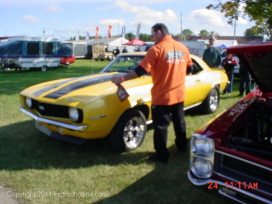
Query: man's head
x,y
158,31
229,55
211,42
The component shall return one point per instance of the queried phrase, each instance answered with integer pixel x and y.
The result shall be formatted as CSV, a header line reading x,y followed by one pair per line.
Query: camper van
x,y
34,53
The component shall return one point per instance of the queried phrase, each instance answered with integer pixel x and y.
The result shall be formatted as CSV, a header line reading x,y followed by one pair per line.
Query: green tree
x,y
145,37
254,31
187,33
257,10
130,36
204,33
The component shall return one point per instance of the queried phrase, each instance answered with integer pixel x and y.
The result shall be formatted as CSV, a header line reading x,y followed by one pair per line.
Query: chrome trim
x,y
241,159
149,122
80,128
199,182
192,106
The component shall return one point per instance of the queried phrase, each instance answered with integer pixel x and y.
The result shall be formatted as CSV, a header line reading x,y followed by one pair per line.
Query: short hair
x,y
161,27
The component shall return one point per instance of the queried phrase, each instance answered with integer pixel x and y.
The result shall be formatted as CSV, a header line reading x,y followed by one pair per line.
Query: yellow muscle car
x,y
87,107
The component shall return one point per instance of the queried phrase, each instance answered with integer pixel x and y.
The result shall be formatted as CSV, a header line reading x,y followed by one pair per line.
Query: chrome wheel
x,y
213,100
129,132
211,103
134,132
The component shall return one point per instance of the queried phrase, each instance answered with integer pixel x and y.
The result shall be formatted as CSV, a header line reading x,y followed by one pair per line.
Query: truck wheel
x,y
129,133
44,68
211,103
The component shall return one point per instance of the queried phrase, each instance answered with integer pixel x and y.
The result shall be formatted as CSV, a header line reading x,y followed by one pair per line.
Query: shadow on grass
x,y
22,146
167,183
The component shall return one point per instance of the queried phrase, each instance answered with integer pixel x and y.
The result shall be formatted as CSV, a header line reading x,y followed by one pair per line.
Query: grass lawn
x,y
42,170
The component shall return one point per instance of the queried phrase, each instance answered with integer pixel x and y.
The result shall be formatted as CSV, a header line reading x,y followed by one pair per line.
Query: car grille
x,y
51,110
239,170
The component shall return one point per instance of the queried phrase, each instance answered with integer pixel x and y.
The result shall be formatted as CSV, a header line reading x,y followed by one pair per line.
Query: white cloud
x,y
112,22
31,19
242,21
208,18
52,9
145,15
54,22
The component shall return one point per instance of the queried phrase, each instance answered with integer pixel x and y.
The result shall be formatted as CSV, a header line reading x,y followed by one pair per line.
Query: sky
x,y
65,18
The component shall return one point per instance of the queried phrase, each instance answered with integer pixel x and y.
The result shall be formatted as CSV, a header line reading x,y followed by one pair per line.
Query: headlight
x,y
29,102
201,168
74,114
203,147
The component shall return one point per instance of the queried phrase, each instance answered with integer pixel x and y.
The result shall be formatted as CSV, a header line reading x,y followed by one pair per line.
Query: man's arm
x,y
137,72
218,57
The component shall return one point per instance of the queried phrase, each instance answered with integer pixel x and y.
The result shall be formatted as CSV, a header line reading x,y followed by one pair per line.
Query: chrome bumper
x,y
230,193
80,128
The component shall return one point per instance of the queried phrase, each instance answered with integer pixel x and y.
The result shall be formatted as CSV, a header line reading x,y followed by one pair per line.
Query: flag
x,y
109,31
87,36
123,31
138,31
96,32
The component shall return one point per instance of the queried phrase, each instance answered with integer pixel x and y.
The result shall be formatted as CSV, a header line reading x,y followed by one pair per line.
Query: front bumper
x,y
80,128
238,194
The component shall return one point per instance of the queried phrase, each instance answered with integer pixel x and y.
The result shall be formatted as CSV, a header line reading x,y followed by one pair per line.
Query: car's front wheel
x,y
211,103
129,132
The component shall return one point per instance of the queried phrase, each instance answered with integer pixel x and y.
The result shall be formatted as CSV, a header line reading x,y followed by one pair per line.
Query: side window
x,y
196,68
33,48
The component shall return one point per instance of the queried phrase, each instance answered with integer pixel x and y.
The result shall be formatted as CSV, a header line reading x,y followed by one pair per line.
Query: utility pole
x,y
180,26
235,19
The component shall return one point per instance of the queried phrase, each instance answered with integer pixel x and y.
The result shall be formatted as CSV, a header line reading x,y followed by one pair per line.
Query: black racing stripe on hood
x,y
78,85
49,88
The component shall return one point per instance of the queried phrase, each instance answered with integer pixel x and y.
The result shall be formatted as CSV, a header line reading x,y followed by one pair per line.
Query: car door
x,y
194,93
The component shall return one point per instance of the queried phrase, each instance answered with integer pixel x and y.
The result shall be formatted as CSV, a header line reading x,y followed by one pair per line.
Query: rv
x,y
34,53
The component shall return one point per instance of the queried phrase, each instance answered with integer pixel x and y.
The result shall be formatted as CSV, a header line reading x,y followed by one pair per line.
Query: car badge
x,y
41,107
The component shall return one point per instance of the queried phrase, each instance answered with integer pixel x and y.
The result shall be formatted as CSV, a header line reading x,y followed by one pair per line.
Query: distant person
x,y
244,79
116,52
229,63
212,55
124,50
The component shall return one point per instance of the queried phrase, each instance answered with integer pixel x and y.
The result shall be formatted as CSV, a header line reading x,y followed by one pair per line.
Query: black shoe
x,y
184,149
154,157
240,95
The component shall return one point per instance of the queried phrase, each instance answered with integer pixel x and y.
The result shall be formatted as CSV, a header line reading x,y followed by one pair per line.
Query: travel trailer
x,y
34,53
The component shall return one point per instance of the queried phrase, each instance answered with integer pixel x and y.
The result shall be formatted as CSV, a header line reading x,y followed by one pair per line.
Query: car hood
x,y
257,58
80,89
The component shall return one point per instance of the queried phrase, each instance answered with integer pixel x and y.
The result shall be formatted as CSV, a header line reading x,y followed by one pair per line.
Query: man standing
x,y
244,79
116,52
212,55
167,61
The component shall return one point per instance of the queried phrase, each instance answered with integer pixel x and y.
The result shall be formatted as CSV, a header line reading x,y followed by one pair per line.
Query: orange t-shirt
x,y
167,62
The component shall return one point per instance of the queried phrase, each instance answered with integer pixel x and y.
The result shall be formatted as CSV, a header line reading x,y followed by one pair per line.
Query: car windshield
x,y
123,63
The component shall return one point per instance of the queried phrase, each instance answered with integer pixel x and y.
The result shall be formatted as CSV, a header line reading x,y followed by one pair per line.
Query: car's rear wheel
x,y
129,132
211,103
44,68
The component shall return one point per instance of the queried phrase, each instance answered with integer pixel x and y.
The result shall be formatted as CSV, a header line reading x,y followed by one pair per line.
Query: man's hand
x,y
116,79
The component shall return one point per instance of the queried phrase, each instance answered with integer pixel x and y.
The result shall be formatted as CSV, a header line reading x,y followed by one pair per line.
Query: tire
x,y
44,68
211,103
129,132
